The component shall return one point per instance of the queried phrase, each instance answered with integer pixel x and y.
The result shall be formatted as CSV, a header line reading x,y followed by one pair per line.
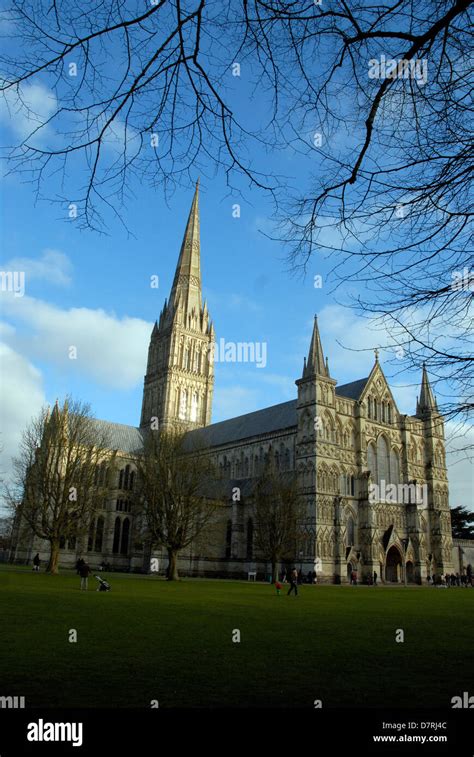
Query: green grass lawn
x,y
149,639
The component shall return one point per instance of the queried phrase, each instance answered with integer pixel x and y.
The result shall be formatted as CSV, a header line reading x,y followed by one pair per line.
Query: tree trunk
x,y
53,565
173,574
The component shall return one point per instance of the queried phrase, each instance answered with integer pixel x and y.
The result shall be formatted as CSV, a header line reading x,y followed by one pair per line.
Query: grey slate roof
x,y
274,418
353,390
120,436
270,419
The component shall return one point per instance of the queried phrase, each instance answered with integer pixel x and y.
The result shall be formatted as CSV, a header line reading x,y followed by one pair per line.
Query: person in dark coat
x,y
79,564
84,572
36,562
293,583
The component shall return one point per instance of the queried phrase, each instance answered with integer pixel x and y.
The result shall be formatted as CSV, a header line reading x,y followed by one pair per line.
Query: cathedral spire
x,y
315,363
179,377
427,401
187,279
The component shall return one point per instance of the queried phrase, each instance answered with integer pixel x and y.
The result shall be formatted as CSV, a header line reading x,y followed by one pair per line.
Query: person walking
x,y
84,572
36,562
293,582
375,578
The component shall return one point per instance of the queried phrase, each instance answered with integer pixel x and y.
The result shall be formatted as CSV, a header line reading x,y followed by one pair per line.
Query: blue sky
x,y
93,292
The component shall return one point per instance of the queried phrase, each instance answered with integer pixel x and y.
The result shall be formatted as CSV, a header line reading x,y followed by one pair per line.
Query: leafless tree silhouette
x,y
378,97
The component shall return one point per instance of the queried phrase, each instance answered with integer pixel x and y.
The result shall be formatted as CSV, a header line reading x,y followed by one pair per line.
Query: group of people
x,y
286,576
465,579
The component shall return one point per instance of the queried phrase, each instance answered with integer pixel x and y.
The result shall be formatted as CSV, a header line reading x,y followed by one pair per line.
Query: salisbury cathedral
x,y
374,481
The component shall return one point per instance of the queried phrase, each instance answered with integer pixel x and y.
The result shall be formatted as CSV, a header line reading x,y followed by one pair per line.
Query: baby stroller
x,y
103,585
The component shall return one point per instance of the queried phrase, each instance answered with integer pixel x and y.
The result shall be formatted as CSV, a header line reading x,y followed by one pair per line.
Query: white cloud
x,y
21,397
26,109
53,266
459,458
110,350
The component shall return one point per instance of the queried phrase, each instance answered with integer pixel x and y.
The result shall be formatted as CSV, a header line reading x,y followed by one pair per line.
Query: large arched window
x,y
394,467
90,541
350,532
352,486
194,406
249,539
99,534
372,461
125,537
383,465
183,404
126,478
256,465
116,544
186,359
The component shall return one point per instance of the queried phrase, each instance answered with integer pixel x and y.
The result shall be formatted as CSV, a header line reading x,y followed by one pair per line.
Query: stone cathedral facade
x,y
373,480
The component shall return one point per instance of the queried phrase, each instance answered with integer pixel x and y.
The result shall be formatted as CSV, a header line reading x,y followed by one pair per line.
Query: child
x,y
278,587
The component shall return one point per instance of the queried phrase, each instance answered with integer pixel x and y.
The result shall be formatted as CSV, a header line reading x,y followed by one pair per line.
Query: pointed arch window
x,y
125,537
350,532
194,406
126,478
183,404
116,544
372,461
90,540
186,359
383,466
394,467
99,535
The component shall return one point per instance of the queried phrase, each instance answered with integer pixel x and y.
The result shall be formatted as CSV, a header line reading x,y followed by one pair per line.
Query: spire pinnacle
x,y
187,279
426,402
315,363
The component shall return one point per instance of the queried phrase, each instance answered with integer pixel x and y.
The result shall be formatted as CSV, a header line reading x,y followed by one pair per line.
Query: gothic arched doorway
x,y
350,568
410,572
393,565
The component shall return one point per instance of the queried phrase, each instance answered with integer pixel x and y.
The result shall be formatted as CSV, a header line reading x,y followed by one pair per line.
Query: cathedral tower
x,y
180,375
315,409
439,516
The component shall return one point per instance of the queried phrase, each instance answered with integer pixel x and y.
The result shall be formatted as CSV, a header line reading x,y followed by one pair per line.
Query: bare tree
x,y
134,90
376,97
61,475
172,480
278,515
383,103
